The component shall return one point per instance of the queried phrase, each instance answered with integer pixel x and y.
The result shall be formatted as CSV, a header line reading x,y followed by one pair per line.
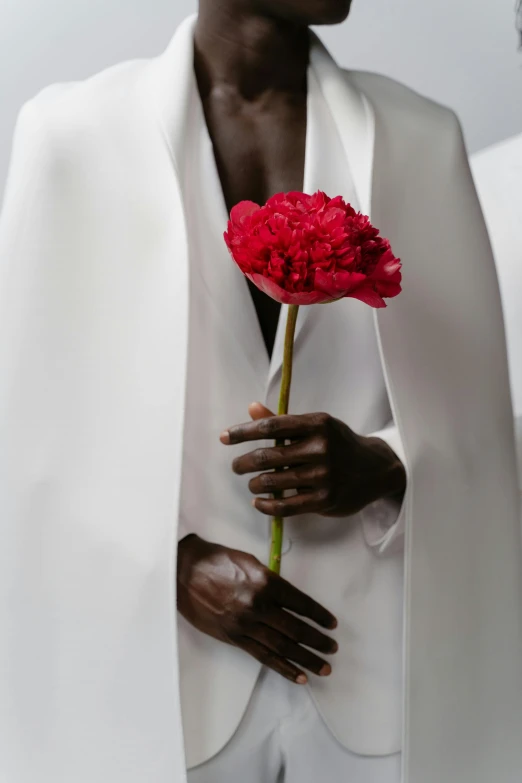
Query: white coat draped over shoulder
x,y
93,339
498,176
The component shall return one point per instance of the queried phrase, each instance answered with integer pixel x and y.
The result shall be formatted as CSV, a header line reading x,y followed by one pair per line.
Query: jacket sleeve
x,y
500,192
384,521
25,242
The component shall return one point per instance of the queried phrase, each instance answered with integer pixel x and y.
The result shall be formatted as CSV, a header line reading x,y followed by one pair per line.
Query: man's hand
x,y
334,471
232,597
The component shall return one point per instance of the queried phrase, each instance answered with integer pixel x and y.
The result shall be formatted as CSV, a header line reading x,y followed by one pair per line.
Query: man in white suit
x,y
130,347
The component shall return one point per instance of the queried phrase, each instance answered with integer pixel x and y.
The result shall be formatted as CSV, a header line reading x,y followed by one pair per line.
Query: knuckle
x,y
284,648
269,659
254,576
261,457
269,426
268,480
322,419
260,580
251,565
322,444
321,472
325,495
240,616
246,616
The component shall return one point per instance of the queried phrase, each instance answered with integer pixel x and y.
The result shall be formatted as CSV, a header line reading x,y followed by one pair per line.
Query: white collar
x,y
171,86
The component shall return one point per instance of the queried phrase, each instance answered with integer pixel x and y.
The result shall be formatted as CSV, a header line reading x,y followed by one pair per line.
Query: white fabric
x,y
282,739
93,348
228,367
384,522
498,177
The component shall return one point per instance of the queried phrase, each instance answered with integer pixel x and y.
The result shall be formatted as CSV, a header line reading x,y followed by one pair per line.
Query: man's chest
x,y
259,147
259,151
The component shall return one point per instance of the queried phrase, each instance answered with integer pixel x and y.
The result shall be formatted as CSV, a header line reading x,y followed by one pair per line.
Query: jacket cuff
x,y
384,521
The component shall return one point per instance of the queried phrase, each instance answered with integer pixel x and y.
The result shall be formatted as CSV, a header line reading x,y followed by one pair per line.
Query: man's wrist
x,y
398,479
392,479
186,547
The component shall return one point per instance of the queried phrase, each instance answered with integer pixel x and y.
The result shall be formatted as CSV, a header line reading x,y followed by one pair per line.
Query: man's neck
x,y
248,53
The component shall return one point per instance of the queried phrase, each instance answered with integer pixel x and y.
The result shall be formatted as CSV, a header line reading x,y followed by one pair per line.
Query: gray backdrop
x,y
460,52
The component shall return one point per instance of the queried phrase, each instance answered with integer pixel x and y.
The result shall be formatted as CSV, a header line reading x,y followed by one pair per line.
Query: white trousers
x,y
283,739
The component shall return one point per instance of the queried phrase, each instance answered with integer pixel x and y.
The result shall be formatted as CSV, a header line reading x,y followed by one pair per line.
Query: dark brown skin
x,y
337,473
232,597
252,78
251,61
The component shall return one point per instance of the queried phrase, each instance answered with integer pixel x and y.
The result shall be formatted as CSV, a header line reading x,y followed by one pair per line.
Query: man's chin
x,y
332,12
308,12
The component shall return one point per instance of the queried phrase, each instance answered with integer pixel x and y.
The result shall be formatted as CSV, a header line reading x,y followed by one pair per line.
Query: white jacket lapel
x,y
354,120
353,116
171,87
217,283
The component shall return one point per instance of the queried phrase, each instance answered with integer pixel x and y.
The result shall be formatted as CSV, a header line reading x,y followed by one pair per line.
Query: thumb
x,y
259,411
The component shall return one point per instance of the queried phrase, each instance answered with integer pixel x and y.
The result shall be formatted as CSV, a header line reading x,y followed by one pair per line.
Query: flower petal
x,y
242,210
337,284
369,297
305,249
275,291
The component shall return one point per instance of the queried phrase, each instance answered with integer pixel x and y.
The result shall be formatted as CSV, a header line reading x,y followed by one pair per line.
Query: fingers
x,y
300,453
285,648
257,411
273,661
286,596
300,632
309,477
303,503
275,427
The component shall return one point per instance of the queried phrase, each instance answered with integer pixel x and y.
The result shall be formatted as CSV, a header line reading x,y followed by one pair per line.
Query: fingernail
x,y
334,624
302,679
326,670
225,438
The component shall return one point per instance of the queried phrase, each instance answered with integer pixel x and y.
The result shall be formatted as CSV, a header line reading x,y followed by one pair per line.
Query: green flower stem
x,y
276,545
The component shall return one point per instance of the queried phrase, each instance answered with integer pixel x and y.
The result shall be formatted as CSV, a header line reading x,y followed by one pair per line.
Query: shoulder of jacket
x,y
394,98
68,111
507,152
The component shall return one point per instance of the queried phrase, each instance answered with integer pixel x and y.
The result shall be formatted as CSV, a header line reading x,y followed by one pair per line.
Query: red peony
x,y
304,250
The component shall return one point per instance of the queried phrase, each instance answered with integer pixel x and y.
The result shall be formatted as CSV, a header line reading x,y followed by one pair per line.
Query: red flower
x,y
303,250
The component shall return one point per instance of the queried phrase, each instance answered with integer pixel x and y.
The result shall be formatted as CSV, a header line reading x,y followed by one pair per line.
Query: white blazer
x,y
93,339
